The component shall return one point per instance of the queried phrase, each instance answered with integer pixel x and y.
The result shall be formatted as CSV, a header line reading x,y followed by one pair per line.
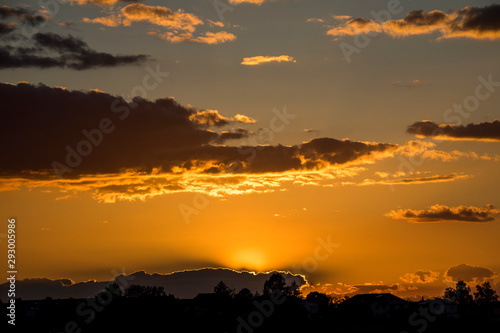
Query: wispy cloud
x,y
420,276
411,84
253,2
485,131
442,213
258,60
414,180
469,22
315,20
49,50
180,25
102,2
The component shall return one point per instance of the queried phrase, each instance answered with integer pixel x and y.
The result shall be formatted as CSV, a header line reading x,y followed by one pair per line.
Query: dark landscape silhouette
x,y
278,307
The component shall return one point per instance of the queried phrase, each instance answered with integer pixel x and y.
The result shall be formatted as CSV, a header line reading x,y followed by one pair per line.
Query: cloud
x,y
252,61
341,17
310,130
161,16
245,119
213,118
239,133
486,131
414,180
180,25
105,3
342,289
426,150
23,14
315,20
109,21
468,273
48,50
7,28
216,23
441,213
411,84
135,150
420,276
376,288
182,284
253,2
210,38
470,22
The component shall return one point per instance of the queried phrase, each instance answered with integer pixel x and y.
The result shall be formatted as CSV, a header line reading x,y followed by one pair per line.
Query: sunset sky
x,y
247,134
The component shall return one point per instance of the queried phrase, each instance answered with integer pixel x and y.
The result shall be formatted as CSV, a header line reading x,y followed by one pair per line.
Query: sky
x,y
353,142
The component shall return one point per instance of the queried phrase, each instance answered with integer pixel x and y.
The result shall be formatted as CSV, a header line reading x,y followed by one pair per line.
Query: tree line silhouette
x,y
280,307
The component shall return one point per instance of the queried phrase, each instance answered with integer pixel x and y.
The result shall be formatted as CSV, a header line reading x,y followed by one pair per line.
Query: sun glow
x,y
251,259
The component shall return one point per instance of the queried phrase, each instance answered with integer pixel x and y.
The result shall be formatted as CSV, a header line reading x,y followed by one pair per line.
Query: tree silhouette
x,y
222,289
319,298
276,282
244,295
295,289
460,295
136,290
485,294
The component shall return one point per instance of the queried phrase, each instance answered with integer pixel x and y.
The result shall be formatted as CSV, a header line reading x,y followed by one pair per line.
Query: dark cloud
x,y
469,22
396,180
420,276
482,20
6,28
441,213
46,50
468,273
486,131
419,17
145,135
24,15
239,133
103,2
184,284
372,288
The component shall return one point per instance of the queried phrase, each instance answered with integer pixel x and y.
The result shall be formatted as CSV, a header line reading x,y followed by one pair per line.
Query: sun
x,y
251,259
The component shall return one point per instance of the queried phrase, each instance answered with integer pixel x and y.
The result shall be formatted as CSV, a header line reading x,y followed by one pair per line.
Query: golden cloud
x,y
258,60
469,22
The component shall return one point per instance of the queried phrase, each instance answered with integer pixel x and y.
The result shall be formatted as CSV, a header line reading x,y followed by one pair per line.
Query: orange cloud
x,y
181,26
206,38
414,180
98,2
109,21
442,213
244,119
315,20
258,60
469,22
468,273
160,16
420,276
485,131
253,2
